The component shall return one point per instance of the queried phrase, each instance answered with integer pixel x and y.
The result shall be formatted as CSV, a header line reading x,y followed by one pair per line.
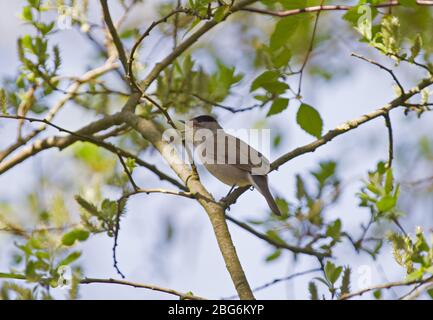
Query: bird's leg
x,y
230,191
224,199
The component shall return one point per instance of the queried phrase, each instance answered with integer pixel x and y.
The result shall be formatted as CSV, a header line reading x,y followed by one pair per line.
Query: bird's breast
x,y
228,174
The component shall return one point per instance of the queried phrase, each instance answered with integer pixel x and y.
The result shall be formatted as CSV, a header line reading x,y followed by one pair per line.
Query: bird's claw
x,y
223,202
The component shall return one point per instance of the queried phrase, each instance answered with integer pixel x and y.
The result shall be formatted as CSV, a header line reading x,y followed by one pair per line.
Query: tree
x,y
134,100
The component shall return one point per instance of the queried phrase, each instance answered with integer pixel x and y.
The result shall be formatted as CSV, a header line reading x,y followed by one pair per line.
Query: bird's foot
x,y
224,202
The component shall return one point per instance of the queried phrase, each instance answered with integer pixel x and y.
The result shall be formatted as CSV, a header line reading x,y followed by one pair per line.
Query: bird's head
x,y
204,122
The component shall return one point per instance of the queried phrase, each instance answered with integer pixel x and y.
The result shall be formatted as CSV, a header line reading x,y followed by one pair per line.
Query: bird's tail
x,y
260,182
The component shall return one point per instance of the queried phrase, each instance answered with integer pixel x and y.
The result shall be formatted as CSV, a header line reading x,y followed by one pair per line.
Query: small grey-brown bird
x,y
229,159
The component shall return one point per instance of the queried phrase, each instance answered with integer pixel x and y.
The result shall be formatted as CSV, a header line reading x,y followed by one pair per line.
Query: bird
x,y
228,158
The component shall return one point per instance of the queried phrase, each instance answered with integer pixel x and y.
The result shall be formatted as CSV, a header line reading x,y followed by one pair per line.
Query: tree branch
x,y
183,46
390,139
382,67
330,135
276,243
293,12
275,281
114,36
71,92
63,142
181,295
384,286
215,211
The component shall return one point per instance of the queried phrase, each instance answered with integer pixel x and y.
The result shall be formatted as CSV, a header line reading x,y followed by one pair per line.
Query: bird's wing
x,y
231,150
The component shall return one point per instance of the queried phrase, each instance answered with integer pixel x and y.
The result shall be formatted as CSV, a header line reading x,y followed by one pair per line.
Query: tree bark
x,y
215,211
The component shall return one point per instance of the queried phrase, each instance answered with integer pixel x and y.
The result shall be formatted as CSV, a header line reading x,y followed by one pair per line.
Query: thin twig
x,y
114,35
384,286
73,88
390,139
382,67
182,295
63,142
120,204
275,281
146,33
276,243
231,109
310,49
293,12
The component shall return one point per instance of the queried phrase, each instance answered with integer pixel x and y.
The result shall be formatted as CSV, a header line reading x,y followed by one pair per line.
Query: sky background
x,y
192,261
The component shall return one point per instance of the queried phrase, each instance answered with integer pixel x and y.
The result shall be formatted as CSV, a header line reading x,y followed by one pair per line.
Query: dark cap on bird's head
x,y
204,121
203,118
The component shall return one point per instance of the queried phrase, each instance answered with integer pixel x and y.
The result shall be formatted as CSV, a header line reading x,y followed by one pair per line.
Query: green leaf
x,y
69,238
109,208
86,205
325,282
416,47
283,205
264,78
276,87
277,141
70,258
45,28
309,120
57,58
26,14
334,230
273,256
279,105
389,181
386,204
301,192
284,29
27,43
275,236
312,288
280,58
345,282
130,164
332,272
220,13
3,101
326,171
42,255
377,294
416,275
127,33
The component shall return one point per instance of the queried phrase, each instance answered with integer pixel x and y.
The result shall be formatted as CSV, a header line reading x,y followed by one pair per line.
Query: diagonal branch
x,y
84,134
385,286
278,280
382,67
71,92
183,46
276,243
330,135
